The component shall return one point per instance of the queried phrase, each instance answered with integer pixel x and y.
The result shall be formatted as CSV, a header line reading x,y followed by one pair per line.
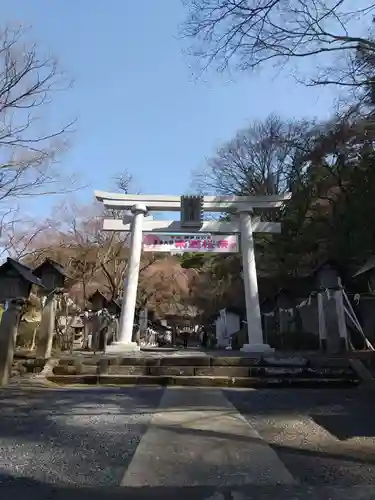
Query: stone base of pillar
x,y
119,347
257,349
343,344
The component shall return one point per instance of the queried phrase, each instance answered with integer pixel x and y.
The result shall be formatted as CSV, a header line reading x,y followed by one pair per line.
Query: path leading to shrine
x,y
143,443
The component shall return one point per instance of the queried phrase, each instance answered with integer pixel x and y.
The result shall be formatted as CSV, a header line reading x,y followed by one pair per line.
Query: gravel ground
x,y
78,443
322,436
73,437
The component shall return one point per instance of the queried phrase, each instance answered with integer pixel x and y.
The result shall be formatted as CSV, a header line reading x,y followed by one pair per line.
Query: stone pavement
x,y
142,443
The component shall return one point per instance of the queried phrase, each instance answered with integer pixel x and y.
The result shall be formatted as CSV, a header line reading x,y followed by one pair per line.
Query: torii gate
x,y
245,225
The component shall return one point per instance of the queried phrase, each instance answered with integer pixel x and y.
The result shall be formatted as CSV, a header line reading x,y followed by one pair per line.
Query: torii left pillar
x,y
125,333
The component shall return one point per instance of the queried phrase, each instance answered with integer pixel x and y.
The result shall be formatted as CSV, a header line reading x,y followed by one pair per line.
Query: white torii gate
x,y
141,205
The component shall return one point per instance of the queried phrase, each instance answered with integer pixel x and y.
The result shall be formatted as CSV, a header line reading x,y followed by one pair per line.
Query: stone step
x,y
203,381
223,371
205,361
230,371
220,371
204,371
25,366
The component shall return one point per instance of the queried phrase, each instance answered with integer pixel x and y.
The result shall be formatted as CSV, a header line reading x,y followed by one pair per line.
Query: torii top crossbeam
x,y
165,203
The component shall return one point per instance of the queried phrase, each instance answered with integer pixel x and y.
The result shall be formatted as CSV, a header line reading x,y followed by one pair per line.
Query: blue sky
x,y
136,98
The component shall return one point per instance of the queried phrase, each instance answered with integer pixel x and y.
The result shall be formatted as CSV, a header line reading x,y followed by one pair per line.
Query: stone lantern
x,y
16,281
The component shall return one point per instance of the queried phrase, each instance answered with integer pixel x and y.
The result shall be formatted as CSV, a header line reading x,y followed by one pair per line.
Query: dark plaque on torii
x,y
191,211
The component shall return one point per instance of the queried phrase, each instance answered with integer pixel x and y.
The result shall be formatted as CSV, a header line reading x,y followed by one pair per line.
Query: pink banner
x,y
216,243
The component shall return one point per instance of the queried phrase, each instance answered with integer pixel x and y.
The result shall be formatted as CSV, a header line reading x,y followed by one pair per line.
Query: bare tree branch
x,y
28,148
247,34
262,159
124,181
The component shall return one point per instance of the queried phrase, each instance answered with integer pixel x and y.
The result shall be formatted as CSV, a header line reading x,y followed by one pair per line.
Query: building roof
x,y
106,302
369,265
51,263
115,302
96,293
25,271
326,263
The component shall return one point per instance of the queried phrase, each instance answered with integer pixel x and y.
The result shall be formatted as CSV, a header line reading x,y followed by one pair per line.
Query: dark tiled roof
x,y
115,302
368,266
97,292
329,263
59,268
25,271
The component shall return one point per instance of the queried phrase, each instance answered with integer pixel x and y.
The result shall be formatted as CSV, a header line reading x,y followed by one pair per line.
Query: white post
x,y
223,328
47,327
340,311
143,321
125,333
8,334
253,317
322,322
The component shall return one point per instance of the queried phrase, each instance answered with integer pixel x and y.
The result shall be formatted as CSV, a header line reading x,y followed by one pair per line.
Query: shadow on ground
x,y
34,490
72,437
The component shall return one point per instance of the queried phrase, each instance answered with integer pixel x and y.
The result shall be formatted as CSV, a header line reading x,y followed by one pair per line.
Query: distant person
x,y
185,339
204,339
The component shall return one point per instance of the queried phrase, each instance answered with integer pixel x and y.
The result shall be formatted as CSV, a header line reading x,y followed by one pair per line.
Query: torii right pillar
x,y
254,321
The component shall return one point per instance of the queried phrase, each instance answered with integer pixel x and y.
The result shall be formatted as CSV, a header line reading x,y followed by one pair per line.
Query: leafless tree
x,y
261,159
247,34
92,258
28,146
164,286
124,181
20,234
96,257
